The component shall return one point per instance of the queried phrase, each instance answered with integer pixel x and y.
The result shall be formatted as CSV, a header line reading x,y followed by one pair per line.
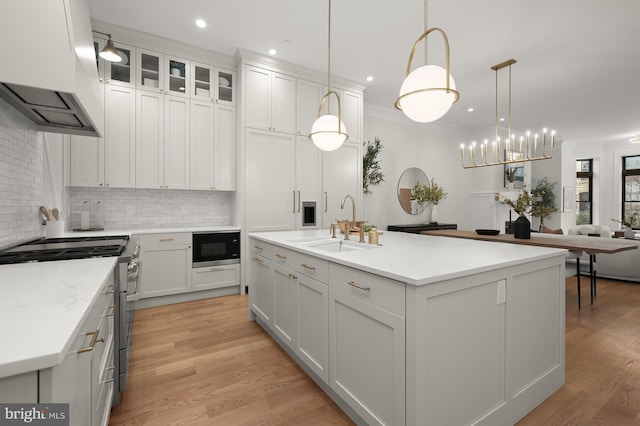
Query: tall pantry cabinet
x,y
282,170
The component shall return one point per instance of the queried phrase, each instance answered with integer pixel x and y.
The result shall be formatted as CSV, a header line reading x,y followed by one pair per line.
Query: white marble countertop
x,y
416,259
41,307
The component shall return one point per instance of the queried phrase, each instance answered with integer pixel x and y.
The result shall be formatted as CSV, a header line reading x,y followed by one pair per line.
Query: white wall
x,y
431,147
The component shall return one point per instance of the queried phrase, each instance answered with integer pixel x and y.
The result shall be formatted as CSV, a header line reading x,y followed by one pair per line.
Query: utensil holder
x,y
54,228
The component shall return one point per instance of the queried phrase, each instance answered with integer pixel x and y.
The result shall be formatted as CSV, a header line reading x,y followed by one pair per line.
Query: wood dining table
x,y
576,243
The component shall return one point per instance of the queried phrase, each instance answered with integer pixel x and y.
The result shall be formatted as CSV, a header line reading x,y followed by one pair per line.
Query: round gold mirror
x,y
406,185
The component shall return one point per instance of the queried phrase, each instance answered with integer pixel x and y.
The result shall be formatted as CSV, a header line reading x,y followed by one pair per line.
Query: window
x,y
584,191
631,186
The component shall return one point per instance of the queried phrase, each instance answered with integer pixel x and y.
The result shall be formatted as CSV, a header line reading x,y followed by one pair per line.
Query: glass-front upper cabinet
x,y
225,86
178,72
202,76
121,73
150,74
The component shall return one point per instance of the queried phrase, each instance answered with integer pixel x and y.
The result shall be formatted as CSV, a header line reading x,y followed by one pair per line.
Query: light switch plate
x,y
502,296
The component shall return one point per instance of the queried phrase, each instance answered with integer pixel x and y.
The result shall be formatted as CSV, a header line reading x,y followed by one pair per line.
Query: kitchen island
x,y
420,330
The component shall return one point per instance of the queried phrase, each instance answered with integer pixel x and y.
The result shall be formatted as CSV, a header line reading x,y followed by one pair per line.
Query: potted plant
x,y
371,169
628,223
522,206
428,193
543,200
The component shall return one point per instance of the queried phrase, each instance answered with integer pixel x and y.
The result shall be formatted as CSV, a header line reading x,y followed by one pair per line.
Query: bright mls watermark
x,y
34,414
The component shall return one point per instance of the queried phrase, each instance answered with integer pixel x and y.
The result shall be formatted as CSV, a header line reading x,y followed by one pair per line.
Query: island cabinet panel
x,y
313,325
485,349
367,344
285,321
261,290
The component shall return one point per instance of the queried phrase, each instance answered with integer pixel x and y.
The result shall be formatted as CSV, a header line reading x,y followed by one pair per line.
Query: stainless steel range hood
x,y
48,67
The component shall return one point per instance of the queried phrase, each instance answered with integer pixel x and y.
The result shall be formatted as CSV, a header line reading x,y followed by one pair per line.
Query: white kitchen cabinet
x,y
308,98
367,344
176,142
202,144
225,83
167,260
121,73
149,139
210,277
83,378
202,76
120,134
225,148
150,74
213,146
285,321
341,175
269,100
270,194
86,161
261,291
312,341
178,76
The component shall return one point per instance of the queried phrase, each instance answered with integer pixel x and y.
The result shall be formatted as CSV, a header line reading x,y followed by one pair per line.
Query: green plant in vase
x,y
522,206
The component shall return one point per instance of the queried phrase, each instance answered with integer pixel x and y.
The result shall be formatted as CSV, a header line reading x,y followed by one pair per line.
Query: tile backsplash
x,y
148,208
21,153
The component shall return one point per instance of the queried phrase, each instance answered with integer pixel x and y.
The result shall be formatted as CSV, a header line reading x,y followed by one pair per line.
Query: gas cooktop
x,y
49,249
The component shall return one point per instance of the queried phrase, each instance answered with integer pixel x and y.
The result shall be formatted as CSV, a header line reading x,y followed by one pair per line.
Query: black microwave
x,y
216,248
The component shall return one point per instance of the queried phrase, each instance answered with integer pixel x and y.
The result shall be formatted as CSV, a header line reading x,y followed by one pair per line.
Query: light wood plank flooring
x,y
204,363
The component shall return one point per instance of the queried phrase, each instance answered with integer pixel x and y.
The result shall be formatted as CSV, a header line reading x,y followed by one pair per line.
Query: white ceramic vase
x,y
629,233
434,214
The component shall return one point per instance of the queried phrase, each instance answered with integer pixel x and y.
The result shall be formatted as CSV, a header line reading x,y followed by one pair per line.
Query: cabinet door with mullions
x,y
178,72
121,73
150,74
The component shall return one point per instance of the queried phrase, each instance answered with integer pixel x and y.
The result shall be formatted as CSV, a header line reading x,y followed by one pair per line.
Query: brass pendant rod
x,y
426,27
329,51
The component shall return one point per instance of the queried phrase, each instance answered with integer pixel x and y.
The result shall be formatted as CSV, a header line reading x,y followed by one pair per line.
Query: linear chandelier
x,y
427,92
507,150
328,132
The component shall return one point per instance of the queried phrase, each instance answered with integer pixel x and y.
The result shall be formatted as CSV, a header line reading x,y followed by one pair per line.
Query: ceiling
x,y
578,61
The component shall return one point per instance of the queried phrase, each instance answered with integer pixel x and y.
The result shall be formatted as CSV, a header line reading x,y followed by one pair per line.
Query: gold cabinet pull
x,y
294,202
356,285
279,256
257,259
113,311
298,201
257,247
94,340
293,277
166,239
304,265
325,201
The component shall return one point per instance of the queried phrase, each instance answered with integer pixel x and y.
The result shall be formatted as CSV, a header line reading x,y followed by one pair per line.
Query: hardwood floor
x,y
204,363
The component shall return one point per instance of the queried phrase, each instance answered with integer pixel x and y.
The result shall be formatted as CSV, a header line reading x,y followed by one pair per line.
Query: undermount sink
x,y
307,240
336,246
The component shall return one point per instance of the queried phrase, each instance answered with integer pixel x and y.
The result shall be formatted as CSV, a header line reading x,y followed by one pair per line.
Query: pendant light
x,y
109,53
328,132
428,92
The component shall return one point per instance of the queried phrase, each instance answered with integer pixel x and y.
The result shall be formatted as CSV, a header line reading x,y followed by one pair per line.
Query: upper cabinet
x,y
270,100
121,73
178,72
150,74
308,99
226,86
203,77
351,103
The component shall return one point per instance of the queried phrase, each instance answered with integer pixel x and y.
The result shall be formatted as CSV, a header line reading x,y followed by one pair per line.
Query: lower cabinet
x,y
261,292
166,264
285,321
367,344
84,378
312,341
211,277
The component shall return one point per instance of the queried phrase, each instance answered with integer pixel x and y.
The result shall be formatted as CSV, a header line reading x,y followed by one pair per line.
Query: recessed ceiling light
x,y
370,78
272,52
501,118
200,23
469,109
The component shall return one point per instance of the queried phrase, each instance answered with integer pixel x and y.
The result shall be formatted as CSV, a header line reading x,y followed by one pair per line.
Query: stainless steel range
x,y
126,282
